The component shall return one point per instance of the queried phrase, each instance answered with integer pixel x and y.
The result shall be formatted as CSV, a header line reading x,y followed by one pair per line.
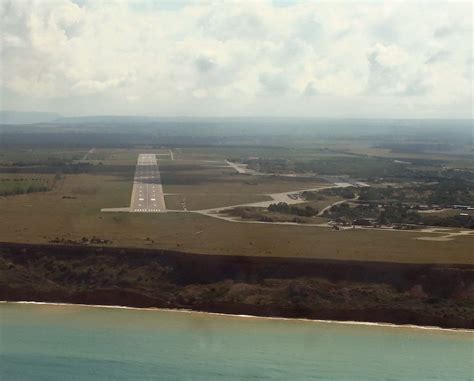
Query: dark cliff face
x,y
440,295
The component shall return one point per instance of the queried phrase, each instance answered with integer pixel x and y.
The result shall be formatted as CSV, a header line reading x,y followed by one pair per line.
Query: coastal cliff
x,y
420,294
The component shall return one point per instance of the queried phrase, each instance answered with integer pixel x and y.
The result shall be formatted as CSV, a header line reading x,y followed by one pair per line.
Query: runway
x,y
147,193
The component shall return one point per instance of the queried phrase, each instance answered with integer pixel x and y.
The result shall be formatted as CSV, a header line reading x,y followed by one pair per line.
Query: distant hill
x,y
106,119
27,117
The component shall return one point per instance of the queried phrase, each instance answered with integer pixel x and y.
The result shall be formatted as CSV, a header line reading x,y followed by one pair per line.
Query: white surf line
x,y
225,315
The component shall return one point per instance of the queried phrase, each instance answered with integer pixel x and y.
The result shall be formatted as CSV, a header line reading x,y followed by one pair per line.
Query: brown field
x,y
456,159
72,210
39,154
236,183
209,201
121,156
321,204
25,177
42,217
74,195
448,213
210,184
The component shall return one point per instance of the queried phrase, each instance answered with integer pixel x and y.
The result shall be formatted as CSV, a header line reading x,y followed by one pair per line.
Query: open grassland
x,y
461,156
210,184
208,201
73,195
39,155
361,160
224,182
12,184
320,149
321,204
43,217
185,170
71,210
316,150
124,156
10,187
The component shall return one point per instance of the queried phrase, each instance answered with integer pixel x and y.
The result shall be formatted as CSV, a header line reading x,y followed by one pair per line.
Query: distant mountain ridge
x,y
27,117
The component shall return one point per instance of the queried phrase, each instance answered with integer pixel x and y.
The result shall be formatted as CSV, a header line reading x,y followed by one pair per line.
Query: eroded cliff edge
x,y
421,294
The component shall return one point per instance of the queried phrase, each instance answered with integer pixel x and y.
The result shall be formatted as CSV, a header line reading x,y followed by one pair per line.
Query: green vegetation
x,y
14,186
459,221
445,192
88,167
208,201
403,294
283,207
278,212
39,156
393,214
348,213
360,167
398,213
345,193
86,180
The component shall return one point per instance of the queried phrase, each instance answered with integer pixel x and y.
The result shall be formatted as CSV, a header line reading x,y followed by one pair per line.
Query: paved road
x,y
147,194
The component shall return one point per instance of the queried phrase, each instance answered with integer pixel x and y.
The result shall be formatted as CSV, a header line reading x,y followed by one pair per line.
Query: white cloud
x,y
227,58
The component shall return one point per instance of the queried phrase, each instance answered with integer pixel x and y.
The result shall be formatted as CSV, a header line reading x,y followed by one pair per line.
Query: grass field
x,y
121,156
15,183
224,181
71,210
40,155
210,184
208,201
321,204
39,219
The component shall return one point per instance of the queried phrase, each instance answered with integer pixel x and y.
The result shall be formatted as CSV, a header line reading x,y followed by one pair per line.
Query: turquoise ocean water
x,y
47,342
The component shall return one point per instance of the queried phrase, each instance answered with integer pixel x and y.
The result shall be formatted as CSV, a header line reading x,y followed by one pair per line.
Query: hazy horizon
x,y
378,60
16,117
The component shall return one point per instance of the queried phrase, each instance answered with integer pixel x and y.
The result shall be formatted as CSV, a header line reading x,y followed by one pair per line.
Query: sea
x,y
74,342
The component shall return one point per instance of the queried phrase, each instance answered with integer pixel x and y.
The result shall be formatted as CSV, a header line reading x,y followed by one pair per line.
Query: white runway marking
x,y
147,194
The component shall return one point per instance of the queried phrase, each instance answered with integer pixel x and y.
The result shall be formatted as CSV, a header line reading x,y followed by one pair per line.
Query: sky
x,y
373,59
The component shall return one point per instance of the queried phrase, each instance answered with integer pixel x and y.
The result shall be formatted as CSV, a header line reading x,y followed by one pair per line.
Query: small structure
x,y
422,207
464,207
362,222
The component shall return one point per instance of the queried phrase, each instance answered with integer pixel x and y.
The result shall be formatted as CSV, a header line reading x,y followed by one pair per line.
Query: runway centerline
x,y
147,193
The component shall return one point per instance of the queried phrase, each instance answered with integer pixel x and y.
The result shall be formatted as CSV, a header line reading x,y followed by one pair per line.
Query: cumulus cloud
x,y
389,70
439,56
393,59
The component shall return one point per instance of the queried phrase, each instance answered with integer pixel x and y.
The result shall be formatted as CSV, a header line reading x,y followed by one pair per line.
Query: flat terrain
x,y
196,179
255,221
21,222
206,201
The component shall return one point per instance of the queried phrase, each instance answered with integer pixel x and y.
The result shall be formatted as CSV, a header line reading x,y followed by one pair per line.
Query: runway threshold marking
x,y
147,194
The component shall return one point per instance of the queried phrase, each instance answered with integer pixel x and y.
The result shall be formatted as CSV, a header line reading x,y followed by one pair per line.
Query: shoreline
x,y
422,295
190,311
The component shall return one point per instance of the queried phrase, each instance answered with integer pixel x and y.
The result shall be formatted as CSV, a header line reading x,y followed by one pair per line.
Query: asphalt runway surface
x,y
147,193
